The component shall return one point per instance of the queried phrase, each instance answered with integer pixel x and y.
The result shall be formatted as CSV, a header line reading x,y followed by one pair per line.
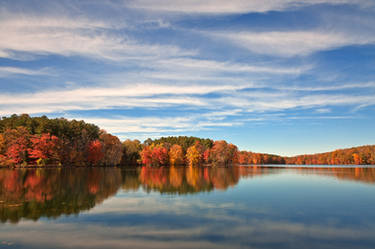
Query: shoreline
x,y
280,166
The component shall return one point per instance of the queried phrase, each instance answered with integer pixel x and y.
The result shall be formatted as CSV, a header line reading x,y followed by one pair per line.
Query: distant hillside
x,y
357,155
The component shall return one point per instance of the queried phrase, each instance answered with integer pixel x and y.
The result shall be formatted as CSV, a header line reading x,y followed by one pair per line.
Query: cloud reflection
x,y
177,207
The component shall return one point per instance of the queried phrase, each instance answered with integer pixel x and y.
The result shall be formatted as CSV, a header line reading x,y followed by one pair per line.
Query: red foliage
x,y
95,152
206,155
154,155
2,159
160,155
44,147
17,151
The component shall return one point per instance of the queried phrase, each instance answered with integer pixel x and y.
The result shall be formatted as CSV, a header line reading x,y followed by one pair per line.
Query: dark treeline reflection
x,y
36,193
33,193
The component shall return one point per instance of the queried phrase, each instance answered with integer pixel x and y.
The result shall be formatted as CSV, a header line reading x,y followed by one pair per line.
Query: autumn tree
x,y
112,149
95,152
44,148
194,154
131,149
159,155
184,141
154,155
146,155
17,143
176,155
243,157
223,153
3,158
356,159
206,156
2,144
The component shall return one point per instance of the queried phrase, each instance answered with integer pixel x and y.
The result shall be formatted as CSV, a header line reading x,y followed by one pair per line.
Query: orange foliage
x,y
356,156
194,154
223,153
247,157
176,155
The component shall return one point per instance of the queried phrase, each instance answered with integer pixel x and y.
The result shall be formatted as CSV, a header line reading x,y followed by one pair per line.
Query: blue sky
x,y
279,76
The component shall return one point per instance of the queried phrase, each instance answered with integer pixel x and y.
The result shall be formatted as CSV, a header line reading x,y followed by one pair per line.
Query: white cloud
x,y
127,96
233,6
231,103
293,43
329,87
99,94
150,124
323,110
291,101
203,71
7,71
220,115
63,36
165,124
198,65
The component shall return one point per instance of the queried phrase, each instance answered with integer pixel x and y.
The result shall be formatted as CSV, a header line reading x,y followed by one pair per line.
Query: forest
x,y
40,141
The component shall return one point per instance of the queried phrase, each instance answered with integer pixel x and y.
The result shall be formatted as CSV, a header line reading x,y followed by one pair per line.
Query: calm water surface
x,y
238,207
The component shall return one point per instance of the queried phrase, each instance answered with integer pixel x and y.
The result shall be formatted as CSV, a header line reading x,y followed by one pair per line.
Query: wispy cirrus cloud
x,y
8,71
82,37
128,126
215,105
198,65
127,96
369,85
232,7
153,95
136,90
288,101
293,43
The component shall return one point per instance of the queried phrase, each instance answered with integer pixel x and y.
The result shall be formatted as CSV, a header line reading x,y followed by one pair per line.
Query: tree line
x,y
26,140
362,155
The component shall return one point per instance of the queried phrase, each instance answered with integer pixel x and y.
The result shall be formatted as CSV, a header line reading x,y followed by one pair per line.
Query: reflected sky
x,y
239,207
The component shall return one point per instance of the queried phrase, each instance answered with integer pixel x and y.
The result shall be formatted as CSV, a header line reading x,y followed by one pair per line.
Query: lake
x,y
182,207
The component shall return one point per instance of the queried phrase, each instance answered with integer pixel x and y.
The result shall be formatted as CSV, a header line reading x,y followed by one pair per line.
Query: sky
x,y
280,76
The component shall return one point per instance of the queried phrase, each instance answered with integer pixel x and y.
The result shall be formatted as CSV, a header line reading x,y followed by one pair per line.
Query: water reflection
x,y
184,180
35,193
